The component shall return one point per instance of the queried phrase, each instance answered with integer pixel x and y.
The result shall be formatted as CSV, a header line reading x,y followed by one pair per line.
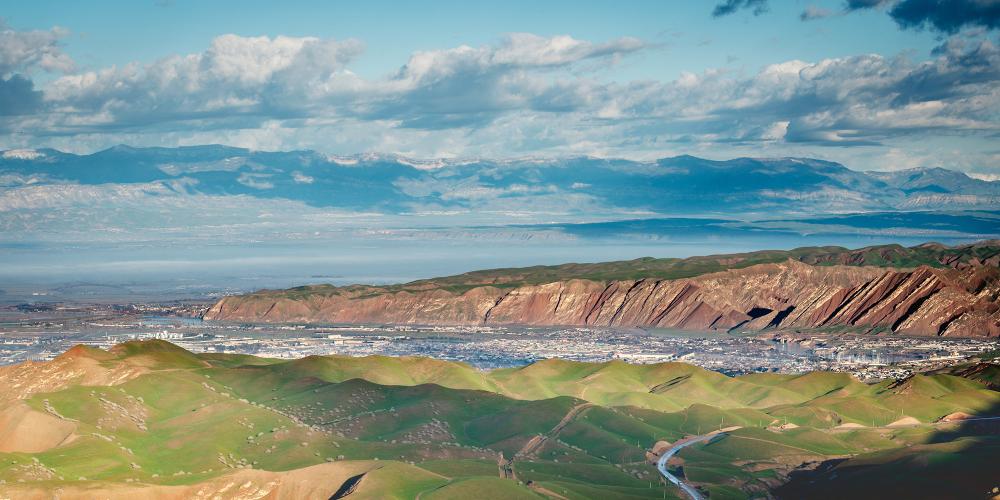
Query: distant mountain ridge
x,y
682,185
925,290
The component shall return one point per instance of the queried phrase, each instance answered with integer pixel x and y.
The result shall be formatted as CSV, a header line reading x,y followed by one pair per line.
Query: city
x,y
43,334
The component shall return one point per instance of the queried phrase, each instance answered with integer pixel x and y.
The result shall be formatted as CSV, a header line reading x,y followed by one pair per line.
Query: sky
x,y
873,84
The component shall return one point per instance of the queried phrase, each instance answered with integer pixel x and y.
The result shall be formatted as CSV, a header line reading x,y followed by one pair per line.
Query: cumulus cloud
x,y
18,96
24,51
472,86
731,6
858,100
236,77
241,82
524,94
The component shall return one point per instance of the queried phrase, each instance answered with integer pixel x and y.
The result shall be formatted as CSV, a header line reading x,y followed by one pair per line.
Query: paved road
x,y
661,464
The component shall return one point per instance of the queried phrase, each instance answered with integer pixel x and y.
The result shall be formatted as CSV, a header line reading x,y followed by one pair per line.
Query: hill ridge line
x,y
922,290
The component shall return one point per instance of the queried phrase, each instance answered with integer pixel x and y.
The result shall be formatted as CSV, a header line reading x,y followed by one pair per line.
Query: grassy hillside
x,y
405,427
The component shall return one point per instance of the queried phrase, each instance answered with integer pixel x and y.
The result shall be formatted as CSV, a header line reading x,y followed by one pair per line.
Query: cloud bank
x,y
524,94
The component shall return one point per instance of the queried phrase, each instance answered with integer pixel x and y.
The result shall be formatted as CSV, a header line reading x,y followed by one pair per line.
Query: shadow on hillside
x,y
957,460
348,487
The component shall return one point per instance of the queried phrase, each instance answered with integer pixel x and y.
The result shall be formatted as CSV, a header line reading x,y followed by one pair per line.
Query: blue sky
x,y
692,40
873,84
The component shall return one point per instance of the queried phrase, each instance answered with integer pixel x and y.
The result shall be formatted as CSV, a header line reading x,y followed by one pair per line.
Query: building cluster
x,y
869,357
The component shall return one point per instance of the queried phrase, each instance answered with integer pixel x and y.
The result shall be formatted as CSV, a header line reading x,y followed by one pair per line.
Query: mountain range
x,y
682,185
190,221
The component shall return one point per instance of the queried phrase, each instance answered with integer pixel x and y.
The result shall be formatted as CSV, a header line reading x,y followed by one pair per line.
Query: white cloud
x,y
236,76
239,82
517,50
256,181
22,154
985,177
301,178
23,51
524,95
776,131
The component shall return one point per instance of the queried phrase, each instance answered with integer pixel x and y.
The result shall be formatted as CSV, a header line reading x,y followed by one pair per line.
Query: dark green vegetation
x,y
895,256
150,414
985,371
962,468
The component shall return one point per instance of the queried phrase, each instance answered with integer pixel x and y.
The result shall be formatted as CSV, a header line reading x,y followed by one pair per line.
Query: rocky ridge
x,y
947,301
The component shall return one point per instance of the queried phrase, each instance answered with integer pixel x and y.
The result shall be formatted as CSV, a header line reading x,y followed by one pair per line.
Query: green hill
x,y
155,416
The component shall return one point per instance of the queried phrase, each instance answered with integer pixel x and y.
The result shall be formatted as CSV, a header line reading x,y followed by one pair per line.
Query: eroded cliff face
x,y
791,294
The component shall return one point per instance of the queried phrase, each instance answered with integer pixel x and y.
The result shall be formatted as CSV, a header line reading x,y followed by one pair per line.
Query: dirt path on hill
x,y
536,442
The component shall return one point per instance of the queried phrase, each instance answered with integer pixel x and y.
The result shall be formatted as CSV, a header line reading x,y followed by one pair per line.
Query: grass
x,y
964,468
482,488
459,468
194,418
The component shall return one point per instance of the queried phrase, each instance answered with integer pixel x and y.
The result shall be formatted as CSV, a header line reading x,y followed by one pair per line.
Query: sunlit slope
x,y
830,397
149,419
385,370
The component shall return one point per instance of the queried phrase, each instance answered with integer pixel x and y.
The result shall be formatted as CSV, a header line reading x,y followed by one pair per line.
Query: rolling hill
x,y
151,420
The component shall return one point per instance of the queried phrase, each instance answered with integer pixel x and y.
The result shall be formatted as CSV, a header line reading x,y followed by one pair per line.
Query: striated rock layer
x,y
791,294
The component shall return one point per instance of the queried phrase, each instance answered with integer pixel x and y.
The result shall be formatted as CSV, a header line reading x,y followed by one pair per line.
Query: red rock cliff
x,y
923,301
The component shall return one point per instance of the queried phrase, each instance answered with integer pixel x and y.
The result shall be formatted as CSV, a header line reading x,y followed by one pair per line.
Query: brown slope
x,y
25,430
79,365
791,294
314,482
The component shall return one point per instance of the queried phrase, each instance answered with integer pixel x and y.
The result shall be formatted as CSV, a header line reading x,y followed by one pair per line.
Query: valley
x,y
41,333
799,373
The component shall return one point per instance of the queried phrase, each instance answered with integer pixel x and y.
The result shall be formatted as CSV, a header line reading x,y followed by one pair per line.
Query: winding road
x,y
661,463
